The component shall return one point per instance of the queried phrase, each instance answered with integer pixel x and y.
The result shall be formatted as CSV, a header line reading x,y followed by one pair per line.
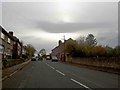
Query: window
x,y
14,42
2,36
8,51
1,49
8,40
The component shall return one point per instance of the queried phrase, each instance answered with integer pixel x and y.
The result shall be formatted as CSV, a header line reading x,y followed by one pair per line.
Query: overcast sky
x,y
42,24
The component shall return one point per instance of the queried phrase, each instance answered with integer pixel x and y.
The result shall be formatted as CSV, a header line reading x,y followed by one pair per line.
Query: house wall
x,y
59,50
8,46
1,50
1,47
19,49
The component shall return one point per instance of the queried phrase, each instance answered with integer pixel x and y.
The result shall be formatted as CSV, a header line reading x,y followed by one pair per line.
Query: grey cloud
x,y
38,43
47,45
71,27
26,18
112,42
108,38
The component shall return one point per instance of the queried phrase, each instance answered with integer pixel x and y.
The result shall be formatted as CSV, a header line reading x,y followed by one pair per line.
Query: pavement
x,y
48,74
8,72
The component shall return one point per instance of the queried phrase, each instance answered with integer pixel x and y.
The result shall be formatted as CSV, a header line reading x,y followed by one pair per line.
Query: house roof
x,y
61,45
6,33
11,37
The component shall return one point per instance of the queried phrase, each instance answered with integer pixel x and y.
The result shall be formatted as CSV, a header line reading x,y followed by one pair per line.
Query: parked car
x,y
48,58
40,58
54,58
33,59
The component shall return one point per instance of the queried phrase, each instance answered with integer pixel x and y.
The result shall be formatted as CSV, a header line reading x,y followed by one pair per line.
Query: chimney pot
x,y
11,33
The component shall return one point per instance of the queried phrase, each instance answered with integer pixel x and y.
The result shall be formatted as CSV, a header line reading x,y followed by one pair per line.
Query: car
x,y
33,59
48,58
40,58
54,58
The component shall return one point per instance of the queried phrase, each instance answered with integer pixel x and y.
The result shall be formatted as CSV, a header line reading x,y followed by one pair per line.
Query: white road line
x,y
49,65
60,72
52,67
46,63
80,84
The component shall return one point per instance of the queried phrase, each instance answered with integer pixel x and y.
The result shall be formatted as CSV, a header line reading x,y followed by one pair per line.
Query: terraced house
x,y
6,45
10,46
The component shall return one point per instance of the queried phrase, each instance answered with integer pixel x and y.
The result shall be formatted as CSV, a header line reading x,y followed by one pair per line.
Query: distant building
x,y
59,50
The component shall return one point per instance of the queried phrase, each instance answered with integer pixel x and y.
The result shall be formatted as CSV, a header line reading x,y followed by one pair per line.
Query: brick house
x,y
59,52
10,46
1,49
6,45
17,47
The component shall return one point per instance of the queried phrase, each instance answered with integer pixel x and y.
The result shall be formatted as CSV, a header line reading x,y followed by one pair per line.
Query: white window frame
x,y
9,40
2,36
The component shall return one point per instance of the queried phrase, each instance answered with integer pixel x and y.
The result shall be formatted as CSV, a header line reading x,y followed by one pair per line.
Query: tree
x,y
117,51
81,41
42,52
30,50
98,51
83,48
71,47
90,40
110,51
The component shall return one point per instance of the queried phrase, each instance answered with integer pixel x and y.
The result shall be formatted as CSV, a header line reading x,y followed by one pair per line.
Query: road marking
x,y
46,64
52,67
49,65
60,72
80,84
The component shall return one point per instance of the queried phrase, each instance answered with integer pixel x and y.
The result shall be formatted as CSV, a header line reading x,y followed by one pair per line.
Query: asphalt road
x,y
48,74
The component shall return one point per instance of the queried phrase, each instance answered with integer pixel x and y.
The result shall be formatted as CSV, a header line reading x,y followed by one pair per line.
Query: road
x,y
48,74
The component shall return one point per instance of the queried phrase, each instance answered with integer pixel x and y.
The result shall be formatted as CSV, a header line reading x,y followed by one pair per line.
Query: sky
x,y
42,24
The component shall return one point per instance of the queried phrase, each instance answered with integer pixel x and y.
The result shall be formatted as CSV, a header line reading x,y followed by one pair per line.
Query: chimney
x,y
60,42
11,33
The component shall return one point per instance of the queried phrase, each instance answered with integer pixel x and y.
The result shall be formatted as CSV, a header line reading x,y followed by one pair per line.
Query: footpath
x,y
8,72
